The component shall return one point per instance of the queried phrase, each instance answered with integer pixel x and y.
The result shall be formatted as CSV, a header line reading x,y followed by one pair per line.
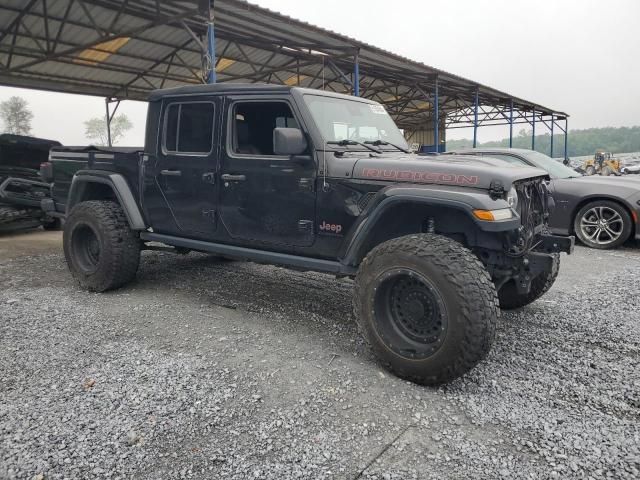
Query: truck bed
x,y
67,161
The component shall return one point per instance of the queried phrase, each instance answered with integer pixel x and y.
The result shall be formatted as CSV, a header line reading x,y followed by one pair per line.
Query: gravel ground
x,y
210,369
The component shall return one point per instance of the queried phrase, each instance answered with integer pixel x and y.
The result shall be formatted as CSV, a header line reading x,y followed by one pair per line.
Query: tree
x,y
96,129
16,116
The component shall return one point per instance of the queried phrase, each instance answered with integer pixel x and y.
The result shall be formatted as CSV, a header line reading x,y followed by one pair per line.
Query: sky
x,y
577,56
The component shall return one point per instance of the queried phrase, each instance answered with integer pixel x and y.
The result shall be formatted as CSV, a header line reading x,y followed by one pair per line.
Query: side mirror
x,y
289,141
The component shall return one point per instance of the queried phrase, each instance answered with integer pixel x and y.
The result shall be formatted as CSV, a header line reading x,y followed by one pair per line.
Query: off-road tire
x,y
468,297
626,220
510,298
606,171
118,246
590,170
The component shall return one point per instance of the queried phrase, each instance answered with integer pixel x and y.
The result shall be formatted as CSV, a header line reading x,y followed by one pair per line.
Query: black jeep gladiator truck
x,y
318,181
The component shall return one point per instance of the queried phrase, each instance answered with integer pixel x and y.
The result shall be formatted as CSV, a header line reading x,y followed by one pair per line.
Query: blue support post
x,y
511,125
436,118
356,74
533,133
566,138
475,120
552,122
211,46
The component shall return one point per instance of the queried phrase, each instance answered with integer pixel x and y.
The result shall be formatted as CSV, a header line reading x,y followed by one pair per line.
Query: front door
x,y
180,182
264,197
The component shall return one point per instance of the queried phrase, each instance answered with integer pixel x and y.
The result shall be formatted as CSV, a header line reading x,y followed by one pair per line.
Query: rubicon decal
x,y
330,228
422,177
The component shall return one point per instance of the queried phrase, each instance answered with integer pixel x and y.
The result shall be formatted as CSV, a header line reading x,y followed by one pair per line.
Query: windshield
x,y
341,119
554,167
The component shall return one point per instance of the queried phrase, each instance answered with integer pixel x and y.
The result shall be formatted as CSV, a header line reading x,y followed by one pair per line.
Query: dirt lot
x,y
212,369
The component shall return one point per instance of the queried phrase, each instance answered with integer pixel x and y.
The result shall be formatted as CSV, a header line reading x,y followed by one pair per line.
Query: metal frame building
x,y
124,49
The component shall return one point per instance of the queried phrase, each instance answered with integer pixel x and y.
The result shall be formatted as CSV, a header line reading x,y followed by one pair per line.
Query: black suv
x,y
319,181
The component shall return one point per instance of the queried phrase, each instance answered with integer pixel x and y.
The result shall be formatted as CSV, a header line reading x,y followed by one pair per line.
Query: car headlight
x,y
512,198
493,215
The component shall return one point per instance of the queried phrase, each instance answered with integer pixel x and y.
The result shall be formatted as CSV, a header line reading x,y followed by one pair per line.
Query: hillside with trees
x,y
581,142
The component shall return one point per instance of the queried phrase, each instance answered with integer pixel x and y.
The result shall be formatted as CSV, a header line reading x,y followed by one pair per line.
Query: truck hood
x,y
461,170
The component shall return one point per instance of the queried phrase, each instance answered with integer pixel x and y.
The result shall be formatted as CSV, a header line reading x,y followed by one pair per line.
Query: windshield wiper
x,y
378,143
344,143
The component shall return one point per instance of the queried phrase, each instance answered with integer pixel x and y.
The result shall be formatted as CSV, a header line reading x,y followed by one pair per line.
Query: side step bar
x,y
258,256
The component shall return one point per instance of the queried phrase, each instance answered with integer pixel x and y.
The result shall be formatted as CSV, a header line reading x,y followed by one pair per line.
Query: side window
x,y
189,128
253,123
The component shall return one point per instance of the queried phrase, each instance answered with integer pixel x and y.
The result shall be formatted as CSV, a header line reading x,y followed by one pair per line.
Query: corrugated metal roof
x,y
126,49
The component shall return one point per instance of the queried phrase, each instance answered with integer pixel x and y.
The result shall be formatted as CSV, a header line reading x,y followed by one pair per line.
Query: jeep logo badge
x,y
330,228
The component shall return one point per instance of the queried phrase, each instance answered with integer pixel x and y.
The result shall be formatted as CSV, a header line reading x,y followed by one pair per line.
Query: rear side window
x,y
189,128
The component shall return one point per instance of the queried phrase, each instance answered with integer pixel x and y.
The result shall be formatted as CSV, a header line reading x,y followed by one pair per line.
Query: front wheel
x,y
102,251
426,306
510,298
603,224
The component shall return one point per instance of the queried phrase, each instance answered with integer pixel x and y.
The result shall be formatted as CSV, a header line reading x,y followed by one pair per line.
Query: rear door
x,y
180,187
264,197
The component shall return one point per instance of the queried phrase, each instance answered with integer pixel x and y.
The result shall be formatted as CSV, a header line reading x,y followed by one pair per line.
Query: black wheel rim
x,y
86,248
410,314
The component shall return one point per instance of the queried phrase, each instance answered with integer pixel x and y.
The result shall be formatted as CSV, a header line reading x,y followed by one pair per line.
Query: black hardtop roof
x,y
240,88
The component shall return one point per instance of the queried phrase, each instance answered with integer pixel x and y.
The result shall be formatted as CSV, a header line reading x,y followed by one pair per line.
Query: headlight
x,y
494,215
512,198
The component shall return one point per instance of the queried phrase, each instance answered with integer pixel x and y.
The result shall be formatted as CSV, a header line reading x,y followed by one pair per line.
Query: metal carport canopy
x,y
125,49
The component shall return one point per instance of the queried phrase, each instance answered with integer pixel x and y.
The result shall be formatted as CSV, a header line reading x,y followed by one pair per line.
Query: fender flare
x,y
120,187
464,203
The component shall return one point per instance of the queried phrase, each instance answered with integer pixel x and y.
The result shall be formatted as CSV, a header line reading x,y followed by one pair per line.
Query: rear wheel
x,y
590,170
602,224
606,171
510,298
102,251
426,306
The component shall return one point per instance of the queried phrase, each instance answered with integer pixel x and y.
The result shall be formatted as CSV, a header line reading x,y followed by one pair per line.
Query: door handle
x,y
233,178
171,173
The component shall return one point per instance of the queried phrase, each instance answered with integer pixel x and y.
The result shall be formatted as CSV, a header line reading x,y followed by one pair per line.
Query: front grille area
x,y
533,209
532,201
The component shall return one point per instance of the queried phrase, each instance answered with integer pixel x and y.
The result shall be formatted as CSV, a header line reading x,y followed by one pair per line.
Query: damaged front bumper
x,y
556,244
524,268
540,260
